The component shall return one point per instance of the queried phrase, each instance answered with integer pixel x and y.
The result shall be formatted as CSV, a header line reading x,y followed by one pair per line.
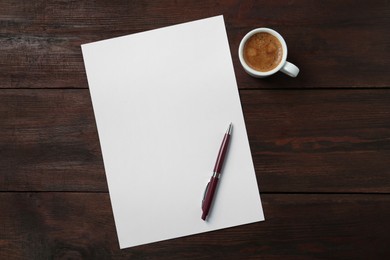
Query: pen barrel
x,y
222,154
209,197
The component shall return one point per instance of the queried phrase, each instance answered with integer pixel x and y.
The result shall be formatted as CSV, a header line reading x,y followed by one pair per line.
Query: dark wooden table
x,y
320,142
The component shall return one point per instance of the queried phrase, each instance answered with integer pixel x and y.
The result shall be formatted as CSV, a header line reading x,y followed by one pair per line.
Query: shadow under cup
x,y
284,66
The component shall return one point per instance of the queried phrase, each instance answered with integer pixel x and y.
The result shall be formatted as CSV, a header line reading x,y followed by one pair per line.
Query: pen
x,y
212,185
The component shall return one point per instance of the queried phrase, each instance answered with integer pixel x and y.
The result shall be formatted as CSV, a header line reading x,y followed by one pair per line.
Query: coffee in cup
x,y
263,52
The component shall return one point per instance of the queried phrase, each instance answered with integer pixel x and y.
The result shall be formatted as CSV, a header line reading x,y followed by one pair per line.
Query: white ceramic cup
x,y
284,66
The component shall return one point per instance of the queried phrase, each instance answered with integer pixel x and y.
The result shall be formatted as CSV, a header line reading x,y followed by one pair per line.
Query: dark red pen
x,y
212,185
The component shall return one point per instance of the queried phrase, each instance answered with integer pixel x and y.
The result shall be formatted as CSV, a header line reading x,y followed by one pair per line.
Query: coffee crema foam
x,y
263,52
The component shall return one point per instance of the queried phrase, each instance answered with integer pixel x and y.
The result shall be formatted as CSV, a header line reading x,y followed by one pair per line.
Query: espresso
x,y
263,52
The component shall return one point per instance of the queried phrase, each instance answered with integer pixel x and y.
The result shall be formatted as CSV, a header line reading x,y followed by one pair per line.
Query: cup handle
x,y
290,69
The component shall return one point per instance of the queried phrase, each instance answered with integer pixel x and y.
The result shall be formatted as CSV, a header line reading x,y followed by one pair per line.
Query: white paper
x,y
163,100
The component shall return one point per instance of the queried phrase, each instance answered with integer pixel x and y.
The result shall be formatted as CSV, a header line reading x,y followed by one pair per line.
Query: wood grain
x,y
301,141
320,140
81,226
48,141
337,44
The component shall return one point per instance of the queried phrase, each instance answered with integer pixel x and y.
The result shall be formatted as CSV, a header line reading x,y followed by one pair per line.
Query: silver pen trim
x,y
229,130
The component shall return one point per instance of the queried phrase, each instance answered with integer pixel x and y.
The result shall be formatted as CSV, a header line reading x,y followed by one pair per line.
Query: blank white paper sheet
x,y
163,100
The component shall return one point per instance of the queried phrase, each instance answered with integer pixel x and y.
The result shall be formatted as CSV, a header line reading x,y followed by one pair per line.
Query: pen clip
x,y
205,192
